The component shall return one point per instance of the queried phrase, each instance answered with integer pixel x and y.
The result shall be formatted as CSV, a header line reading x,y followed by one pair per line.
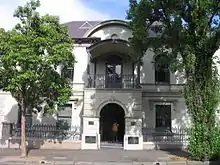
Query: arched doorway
x,y
110,114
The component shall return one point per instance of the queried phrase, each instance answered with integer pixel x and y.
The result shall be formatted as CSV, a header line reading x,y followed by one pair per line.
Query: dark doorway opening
x,y
113,72
110,114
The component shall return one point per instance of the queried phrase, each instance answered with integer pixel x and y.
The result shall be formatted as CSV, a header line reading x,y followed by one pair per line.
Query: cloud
x,y
117,2
67,10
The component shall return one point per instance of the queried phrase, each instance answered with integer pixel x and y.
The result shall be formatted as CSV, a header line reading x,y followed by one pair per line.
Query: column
x,y
133,76
90,136
138,74
75,122
94,78
133,139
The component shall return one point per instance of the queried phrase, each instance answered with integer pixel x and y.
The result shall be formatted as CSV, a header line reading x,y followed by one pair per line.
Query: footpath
x,y
100,157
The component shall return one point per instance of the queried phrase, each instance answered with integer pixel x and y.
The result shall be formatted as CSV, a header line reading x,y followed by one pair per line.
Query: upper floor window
x,y
68,72
162,71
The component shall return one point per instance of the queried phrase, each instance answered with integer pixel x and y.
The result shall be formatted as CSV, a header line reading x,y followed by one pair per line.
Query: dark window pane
x,y
65,110
163,116
162,72
113,75
68,73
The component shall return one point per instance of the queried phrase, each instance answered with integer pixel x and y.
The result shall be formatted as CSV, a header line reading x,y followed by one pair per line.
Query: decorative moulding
x,y
112,99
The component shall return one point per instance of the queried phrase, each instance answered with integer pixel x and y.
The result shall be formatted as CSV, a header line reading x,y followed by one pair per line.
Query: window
x,y
162,71
163,116
68,72
64,115
28,118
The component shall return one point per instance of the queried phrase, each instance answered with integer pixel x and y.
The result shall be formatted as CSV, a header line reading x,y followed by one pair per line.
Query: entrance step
x,y
112,145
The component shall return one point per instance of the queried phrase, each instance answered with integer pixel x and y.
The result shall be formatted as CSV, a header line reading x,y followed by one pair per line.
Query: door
x,y
113,75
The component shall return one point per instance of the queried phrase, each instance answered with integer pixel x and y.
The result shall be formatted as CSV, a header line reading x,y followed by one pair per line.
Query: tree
x,y
30,54
188,32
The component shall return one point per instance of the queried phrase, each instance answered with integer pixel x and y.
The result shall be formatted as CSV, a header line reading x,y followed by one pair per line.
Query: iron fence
x,y
174,135
41,131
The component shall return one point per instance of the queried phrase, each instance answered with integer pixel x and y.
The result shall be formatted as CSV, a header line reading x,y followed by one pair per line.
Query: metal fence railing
x,y
174,135
41,131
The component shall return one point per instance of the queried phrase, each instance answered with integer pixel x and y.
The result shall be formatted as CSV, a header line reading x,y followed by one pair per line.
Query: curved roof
x,y
106,23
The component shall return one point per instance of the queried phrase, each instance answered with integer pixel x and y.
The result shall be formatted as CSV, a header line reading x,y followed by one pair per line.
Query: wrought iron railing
x,y
171,136
113,81
41,131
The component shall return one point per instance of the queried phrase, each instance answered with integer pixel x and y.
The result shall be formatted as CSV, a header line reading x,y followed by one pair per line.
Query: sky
x,y
67,10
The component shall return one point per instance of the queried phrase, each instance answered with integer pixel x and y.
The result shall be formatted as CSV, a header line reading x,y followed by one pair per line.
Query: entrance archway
x,y
110,114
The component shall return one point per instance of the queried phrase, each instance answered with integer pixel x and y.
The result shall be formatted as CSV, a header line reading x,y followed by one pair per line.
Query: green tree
x,y
188,32
30,54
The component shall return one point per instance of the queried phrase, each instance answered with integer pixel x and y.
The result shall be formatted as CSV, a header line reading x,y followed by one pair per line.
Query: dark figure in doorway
x,y
115,132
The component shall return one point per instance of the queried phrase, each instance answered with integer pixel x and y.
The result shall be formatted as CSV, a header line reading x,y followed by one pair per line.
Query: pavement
x,y
100,157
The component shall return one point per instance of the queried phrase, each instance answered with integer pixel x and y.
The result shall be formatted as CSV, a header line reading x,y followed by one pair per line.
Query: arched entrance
x,y
110,114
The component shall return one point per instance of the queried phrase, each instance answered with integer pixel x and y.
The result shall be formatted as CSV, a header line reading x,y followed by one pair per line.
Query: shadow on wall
x,y
10,117
44,133
79,131
8,139
41,118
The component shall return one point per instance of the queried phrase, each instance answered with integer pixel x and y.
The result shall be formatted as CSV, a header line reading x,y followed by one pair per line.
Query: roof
x,y
77,29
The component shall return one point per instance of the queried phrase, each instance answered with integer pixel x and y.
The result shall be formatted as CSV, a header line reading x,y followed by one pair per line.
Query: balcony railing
x,y
111,81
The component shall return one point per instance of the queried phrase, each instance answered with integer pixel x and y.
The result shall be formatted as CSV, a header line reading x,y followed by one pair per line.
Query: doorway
x,y
113,72
110,114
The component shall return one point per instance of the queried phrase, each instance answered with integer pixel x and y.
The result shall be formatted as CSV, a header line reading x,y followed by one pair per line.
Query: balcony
x,y
103,81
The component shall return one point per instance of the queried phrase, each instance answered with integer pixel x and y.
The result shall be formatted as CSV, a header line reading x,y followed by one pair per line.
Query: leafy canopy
x,y
184,27
30,54
188,32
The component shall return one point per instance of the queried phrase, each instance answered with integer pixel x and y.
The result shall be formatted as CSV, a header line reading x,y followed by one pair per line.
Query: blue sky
x,y
115,8
67,10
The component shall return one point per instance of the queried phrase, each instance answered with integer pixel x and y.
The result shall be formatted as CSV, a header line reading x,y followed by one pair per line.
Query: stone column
x,y
75,123
133,139
90,136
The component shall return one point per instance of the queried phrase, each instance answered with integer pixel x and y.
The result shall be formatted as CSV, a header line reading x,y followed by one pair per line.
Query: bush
x,y
204,143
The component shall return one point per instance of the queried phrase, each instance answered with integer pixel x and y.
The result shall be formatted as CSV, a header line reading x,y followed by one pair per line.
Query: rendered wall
x,y
106,32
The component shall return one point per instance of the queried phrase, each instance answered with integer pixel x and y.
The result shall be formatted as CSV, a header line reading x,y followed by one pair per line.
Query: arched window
x,y
68,72
162,71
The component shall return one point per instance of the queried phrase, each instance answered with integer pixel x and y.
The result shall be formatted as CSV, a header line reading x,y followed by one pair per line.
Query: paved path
x,y
101,157
97,155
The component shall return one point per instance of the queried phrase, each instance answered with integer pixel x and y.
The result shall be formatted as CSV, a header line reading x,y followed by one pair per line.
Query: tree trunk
x,y
23,131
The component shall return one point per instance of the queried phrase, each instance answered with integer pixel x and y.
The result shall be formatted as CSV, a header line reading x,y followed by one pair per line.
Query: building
x,y
106,89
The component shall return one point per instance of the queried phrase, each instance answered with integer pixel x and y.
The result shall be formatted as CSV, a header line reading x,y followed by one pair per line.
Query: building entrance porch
x,y
112,125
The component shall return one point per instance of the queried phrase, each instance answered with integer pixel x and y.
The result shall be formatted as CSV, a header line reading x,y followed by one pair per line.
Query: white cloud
x,y
67,10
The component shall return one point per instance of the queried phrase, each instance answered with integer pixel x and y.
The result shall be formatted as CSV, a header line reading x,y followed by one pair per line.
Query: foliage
x,y
188,32
30,55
